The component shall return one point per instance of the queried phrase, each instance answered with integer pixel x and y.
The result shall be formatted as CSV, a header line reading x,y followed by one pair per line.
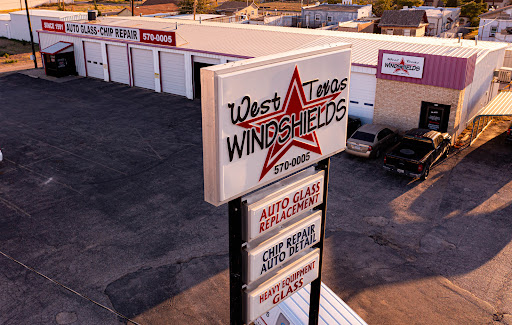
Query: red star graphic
x,y
294,103
402,63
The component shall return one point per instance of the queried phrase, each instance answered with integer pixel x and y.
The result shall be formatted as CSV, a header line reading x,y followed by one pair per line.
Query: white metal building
x,y
175,69
15,25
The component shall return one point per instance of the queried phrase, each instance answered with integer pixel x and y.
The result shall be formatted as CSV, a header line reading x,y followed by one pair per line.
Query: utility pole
x,y
31,36
195,6
133,9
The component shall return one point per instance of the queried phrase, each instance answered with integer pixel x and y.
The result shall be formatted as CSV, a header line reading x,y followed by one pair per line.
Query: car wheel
x,y
425,173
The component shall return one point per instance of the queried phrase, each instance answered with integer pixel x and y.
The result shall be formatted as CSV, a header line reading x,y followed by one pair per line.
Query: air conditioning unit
x,y
505,75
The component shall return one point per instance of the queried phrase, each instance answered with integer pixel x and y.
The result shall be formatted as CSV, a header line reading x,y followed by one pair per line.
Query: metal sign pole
x,y
235,261
314,297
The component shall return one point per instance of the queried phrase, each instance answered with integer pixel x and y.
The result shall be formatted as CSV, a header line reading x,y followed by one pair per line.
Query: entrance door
x,y
197,77
94,60
434,116
118,64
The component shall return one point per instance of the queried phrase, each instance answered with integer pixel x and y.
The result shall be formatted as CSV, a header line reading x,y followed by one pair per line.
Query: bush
x,y
10,61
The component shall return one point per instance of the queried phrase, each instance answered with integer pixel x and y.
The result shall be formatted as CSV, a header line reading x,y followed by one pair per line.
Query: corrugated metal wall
x,y
478,93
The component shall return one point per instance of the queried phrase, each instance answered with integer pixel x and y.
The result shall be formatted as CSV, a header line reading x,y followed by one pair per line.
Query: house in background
x,y
433,3
357,26
496,25
331,14
404,22
497,4
280,8
440,19
238,8
153,8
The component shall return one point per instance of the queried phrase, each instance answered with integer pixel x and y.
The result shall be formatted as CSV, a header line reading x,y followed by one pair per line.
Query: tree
x,y
187,6
472,10
453,3
409,3
382,5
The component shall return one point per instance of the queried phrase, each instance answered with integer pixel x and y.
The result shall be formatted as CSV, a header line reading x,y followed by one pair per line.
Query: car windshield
x,y
410,143
363,136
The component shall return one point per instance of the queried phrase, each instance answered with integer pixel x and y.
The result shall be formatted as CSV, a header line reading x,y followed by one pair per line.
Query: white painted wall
x,y
480,91
154,63
19,24
486,24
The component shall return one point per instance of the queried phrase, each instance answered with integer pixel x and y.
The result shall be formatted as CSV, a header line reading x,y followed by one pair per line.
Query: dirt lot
x,y
15,55
102,191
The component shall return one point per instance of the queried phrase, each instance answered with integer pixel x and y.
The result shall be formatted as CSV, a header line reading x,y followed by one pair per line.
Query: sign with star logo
x,y
266,118
402,65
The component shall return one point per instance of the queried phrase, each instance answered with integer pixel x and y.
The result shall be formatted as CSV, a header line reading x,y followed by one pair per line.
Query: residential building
x,y
433,3
238,8
440,19
168,9
496,25
497,4
358,26
332,14
404,22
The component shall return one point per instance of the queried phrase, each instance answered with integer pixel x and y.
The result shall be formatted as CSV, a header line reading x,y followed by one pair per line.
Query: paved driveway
x,y
101,191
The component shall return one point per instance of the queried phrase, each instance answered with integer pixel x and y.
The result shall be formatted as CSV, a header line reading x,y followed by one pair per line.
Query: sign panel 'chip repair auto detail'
x,y
266,118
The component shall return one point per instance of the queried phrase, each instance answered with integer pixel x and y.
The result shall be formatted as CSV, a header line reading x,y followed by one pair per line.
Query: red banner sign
x,y
158,37
53,26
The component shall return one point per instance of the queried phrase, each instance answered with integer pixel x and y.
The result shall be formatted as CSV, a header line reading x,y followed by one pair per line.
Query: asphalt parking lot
x,y
101,191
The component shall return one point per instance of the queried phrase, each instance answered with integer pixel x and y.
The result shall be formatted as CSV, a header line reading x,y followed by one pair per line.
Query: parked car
x,y
371,140
509,133
417,152
353,124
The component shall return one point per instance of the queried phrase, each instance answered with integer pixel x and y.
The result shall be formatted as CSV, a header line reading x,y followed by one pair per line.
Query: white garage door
x,y
172,71
118,64
94,60
143,68
362,96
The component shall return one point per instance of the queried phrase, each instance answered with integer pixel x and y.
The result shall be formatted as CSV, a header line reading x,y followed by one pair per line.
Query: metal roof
x,y
333,310
57,47
501,105
256,40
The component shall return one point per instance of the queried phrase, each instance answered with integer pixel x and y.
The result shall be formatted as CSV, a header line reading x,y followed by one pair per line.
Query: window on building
x,y
252,12
329,19
407,32
317,17
493,32
389,31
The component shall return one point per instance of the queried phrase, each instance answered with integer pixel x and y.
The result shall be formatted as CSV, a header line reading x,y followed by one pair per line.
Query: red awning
x,y
58,47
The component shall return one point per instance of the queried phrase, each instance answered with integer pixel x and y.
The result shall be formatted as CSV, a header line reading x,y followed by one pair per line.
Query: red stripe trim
x,y
149,45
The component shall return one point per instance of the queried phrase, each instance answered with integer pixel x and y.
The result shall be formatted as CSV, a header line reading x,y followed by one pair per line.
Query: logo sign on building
x,y
283,247
112,32
286,200
402,65
266,118
282,286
